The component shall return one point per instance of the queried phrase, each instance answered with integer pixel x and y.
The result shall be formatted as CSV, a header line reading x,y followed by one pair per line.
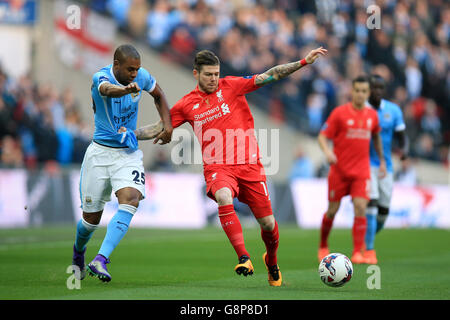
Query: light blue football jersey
x,y
390,117
113,113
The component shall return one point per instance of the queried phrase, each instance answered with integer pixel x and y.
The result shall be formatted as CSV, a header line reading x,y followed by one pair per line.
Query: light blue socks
x,y
85,231
117,228
371,216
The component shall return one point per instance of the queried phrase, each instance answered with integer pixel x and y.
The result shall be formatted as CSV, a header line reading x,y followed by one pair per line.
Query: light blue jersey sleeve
x,y
148,81
399,124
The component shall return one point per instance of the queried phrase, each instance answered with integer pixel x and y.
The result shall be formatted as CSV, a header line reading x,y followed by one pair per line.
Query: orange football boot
x,y
323,252
273,272
370,257
358,258
244,266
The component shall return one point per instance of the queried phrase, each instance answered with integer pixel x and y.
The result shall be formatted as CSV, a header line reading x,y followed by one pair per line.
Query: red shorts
x,y
247,182
340,186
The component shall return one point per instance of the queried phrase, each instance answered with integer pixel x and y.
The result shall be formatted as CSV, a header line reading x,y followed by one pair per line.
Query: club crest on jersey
x,y
225,108
219,95
135,96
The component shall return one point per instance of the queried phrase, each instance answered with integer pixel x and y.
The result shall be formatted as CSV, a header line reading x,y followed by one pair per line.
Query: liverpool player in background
x,y
350,127
220,116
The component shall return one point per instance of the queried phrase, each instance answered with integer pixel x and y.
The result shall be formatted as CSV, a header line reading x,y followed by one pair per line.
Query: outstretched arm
x,y
163,109
149,131
282,71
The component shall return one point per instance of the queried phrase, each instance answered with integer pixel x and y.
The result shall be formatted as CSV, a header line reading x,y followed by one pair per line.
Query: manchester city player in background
x,y
392,124
112,161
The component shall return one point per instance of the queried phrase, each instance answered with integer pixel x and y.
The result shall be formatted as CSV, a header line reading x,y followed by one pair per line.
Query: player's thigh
x,y
338,186
128,172
256,195
221,185
360,188
95,184
385,186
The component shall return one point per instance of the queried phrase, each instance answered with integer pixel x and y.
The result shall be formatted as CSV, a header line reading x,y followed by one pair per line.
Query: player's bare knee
x,y
224,197
92,217
373,203
267,223
333,208
383,211
131,201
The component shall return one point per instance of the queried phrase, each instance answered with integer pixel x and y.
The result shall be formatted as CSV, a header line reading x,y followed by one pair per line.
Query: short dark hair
x,y
205,58
361,78
375,78
126,51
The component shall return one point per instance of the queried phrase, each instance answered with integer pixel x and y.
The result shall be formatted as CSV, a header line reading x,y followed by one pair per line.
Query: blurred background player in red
x,y
350,127
218,112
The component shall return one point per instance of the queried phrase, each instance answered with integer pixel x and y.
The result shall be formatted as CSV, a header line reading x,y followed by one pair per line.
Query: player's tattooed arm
x,y
282,71
150,131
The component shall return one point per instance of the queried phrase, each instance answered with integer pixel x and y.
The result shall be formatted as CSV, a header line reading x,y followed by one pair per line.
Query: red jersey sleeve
x,y
177,114
242,85
330,127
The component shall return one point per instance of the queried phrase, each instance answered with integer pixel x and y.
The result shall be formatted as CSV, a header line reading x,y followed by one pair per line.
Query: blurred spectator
x,y
303,167
406,174
10,153
161,162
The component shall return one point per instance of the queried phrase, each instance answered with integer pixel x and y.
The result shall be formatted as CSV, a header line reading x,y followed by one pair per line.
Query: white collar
x,y
112,74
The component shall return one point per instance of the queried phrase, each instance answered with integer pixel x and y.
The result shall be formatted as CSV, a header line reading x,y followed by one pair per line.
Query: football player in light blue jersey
x,y
391,122
113,162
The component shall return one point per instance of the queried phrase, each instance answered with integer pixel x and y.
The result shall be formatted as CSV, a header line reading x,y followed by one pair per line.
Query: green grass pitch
x,y
157,264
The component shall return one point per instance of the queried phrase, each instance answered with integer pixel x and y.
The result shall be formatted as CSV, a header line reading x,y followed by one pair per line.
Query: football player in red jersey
x,y
350,127
219,113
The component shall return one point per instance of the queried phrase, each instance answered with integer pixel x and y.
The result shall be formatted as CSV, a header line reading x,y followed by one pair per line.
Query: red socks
x,y
325,229
359,232
232,227
270,239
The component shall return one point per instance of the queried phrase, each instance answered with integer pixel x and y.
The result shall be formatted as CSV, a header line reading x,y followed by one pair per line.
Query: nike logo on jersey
x,y
196,106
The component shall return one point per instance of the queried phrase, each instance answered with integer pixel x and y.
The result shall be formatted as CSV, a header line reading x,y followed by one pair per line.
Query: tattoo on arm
x,y
150,131
277,73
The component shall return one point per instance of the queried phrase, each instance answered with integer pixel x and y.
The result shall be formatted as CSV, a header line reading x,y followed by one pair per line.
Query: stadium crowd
x,y
410,51
39,125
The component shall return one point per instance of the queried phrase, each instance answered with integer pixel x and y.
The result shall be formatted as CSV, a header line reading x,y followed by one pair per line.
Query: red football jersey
x,y
222,121
351,130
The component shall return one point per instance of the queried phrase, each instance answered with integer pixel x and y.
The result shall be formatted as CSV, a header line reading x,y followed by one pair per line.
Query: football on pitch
x,y
335,270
